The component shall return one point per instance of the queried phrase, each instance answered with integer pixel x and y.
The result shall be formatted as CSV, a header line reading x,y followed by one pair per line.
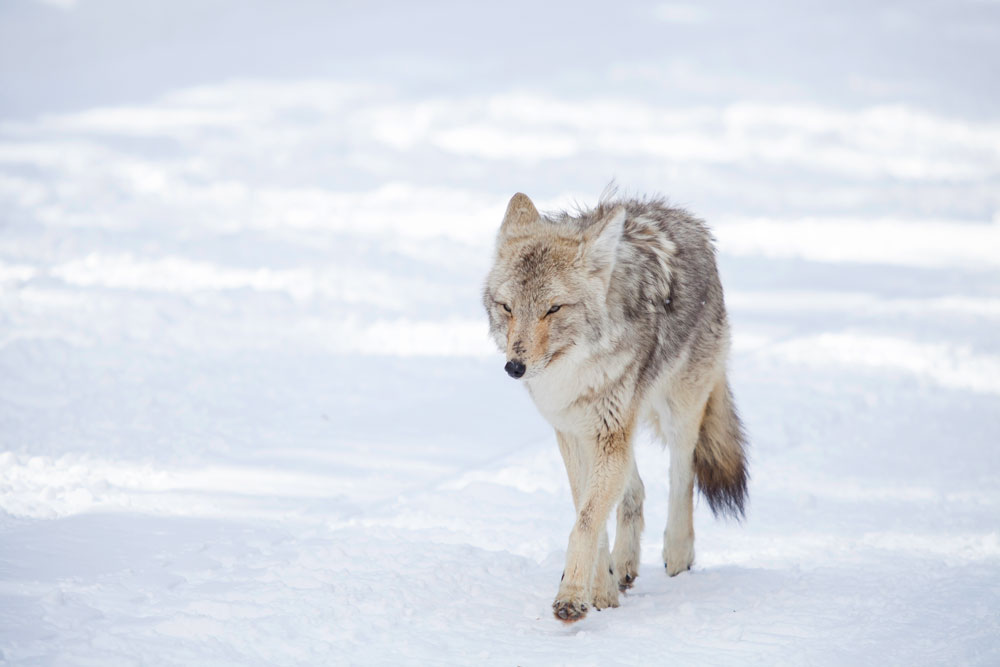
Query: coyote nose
x,y
514,368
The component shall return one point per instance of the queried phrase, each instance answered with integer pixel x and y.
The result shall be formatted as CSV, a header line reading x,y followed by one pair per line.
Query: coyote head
x,y
548,287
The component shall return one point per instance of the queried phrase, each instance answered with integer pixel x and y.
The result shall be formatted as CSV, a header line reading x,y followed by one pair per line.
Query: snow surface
x,y
249,413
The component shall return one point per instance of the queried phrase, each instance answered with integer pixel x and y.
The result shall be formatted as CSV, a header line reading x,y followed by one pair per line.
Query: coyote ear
x,y
520,214
602,244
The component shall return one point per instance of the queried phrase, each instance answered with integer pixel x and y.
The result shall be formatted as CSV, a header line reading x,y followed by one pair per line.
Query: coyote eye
x,y
553,309
505,307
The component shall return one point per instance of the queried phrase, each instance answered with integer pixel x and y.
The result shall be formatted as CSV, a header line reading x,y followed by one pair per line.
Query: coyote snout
x,y
514,368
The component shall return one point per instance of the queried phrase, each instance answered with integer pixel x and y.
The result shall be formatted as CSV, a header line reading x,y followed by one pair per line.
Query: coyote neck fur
x,y
581,392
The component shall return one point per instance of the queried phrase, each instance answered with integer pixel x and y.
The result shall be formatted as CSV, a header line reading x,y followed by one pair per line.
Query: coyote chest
x,y
562,400
570,394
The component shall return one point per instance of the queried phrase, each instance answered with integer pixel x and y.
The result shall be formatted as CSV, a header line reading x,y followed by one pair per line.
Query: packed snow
x,y
249,411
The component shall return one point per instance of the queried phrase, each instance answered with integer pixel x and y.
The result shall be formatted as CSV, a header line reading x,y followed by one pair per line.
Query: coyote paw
x,y
569,611
606,594
605,600
678,556
626,569
626,581
674,571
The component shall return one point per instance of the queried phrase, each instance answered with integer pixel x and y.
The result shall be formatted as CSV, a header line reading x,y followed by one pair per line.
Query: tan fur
x,y
610,318
718,462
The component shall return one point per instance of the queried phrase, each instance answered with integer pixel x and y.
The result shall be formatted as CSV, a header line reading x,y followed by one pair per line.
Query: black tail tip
x,y
726,498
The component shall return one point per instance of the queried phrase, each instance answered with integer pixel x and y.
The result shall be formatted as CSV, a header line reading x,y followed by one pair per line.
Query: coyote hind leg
x,y
625,557
681,436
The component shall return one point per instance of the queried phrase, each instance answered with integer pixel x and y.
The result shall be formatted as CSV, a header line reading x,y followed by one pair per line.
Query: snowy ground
x,y
248,409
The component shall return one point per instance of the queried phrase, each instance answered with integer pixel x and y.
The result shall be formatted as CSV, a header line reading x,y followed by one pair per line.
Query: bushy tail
x,y
720,462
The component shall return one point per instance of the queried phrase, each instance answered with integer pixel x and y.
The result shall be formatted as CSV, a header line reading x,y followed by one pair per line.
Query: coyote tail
x,y
720,461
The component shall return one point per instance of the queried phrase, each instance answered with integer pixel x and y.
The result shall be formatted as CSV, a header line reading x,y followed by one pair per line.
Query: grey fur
x,y
639,290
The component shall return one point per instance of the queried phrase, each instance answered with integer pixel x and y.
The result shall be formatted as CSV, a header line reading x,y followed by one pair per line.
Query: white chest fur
x,y
566,393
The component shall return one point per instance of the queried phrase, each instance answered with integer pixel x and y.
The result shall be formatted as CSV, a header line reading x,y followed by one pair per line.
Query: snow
x,y
249,412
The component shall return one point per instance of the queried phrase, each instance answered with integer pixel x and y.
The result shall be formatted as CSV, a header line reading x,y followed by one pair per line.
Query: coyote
x,y
611,316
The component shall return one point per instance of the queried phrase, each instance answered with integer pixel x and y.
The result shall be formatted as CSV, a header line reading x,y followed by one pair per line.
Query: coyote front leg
x,y
611,459
630,524
578,456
